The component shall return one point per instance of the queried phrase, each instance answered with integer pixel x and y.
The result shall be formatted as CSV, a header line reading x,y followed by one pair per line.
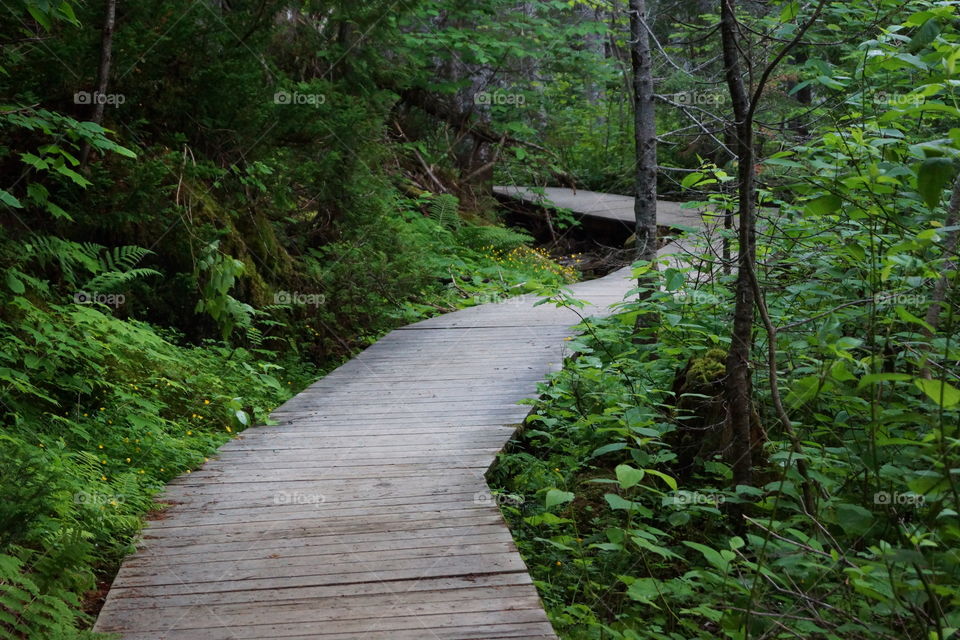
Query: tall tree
x,y
738,361
103,72
645,127
738,373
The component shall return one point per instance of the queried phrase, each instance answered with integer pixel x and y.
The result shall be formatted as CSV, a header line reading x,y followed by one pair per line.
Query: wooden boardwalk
x,y
364,513
605,206
702,250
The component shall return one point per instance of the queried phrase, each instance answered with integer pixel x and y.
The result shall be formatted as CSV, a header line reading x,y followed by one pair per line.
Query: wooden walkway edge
x,y
364,513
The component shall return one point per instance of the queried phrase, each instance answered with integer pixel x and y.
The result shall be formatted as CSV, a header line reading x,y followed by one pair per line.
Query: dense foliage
x,y
620,486
240,217
206,204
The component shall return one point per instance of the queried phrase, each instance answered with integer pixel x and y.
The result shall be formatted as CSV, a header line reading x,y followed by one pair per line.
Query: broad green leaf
x,y
673,279
943,393
67,12
720,559
39,16
924,36
74,176
789,11
628,476
691,179
34,161
829,82
618,502
917,19
56,211
556,544
823,205
803,390
906,316
607,448
607,546
932,177
645,590
37,192
912,60
556,496
8,199
547,519
669,480
874,378
14,283
854,519
661,551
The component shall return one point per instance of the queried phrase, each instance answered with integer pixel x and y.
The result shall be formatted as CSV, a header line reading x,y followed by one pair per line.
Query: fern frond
x,y
444,208
110,268
122,258
498,238
72,258
111,280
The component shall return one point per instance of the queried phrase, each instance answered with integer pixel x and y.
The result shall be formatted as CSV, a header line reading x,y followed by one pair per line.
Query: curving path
x,y
364,513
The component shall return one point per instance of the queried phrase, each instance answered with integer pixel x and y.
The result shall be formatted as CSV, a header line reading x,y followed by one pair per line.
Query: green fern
x,y
113,280
72,258
445,210
498,238
110,268
26,611
123,258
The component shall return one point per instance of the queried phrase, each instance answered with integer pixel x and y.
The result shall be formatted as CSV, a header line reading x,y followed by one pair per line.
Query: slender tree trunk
x,y
103,73
739,402
594,43
645,203
804,96
937,303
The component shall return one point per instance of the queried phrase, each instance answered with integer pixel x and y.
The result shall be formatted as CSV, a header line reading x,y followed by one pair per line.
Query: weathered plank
x,y
132,599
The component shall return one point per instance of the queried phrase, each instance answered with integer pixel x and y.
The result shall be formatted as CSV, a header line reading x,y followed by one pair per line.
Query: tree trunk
x,y
593,43
645,203
939,297
739,402
103,73
804,96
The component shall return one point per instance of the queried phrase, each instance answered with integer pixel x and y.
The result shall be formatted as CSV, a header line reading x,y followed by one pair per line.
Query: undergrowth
x,y
620,482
